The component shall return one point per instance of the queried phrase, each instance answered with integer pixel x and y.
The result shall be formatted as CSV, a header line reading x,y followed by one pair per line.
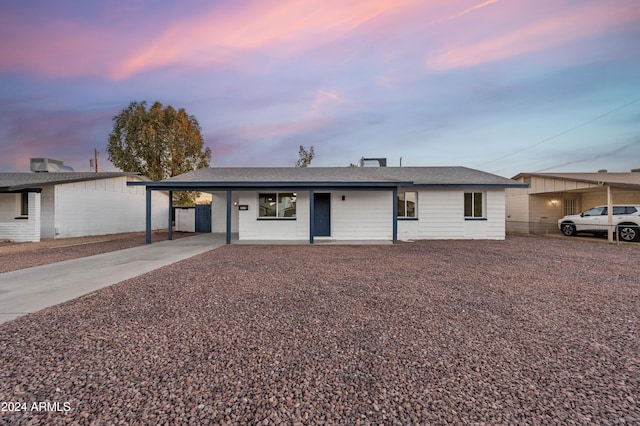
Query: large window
x,y
277,204
474,206
407,202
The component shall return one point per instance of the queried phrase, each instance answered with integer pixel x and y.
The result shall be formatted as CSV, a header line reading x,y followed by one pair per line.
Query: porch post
x,y
311,216
170,229
228,240
395,214
610,215
148,214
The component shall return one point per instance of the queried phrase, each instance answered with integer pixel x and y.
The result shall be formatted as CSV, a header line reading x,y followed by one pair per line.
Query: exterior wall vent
x,y
44,165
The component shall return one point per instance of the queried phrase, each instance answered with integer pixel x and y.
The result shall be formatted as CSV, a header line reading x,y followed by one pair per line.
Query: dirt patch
x,y
14,256
527,330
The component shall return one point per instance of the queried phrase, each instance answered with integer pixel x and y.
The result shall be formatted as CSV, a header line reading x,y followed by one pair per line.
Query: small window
x,y
24,204
407,202
474,204
570,206
276,205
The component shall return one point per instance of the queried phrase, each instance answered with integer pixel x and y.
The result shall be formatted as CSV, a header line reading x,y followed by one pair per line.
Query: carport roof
x,y
335,176
12,182
621,179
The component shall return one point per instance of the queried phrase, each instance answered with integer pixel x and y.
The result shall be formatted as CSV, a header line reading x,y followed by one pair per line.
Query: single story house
x,y
73,204
546,197
348,203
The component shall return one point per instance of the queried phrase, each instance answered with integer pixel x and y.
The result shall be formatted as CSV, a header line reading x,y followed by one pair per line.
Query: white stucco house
x,y
70,204
348,203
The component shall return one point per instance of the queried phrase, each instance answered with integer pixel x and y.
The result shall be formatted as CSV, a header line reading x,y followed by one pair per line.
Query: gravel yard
x,y
528,330
14,256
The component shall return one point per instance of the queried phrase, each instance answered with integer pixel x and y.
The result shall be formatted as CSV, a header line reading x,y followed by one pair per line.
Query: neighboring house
x,y
550,196
350,203
70,204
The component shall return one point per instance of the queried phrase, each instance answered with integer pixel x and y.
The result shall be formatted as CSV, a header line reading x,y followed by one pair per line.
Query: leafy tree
x,y
304,156
157,142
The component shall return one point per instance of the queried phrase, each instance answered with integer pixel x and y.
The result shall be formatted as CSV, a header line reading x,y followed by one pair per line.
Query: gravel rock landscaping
x,y
524,331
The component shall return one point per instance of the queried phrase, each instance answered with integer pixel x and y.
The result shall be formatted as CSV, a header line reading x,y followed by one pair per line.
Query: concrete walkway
x,y
32,289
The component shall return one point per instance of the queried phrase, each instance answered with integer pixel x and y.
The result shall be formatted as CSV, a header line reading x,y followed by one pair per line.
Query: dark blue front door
x,y
322,215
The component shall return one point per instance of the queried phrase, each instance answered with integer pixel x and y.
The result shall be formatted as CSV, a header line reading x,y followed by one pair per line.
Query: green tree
x,y
157,142
305,156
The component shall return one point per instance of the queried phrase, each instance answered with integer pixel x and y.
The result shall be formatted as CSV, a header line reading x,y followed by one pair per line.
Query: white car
x,y
626,222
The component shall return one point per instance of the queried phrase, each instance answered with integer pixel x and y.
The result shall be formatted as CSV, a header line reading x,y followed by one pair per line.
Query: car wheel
x,y
568,229
628,232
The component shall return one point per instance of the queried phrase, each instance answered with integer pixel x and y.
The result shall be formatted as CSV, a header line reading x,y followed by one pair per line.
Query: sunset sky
x,y
504,86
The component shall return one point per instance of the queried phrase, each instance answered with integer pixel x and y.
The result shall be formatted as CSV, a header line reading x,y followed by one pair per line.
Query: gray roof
x,y
342,176
624,179
11,182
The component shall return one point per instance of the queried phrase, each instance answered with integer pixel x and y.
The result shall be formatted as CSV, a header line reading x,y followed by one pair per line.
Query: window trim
x,y
405,217
277,197
483,213
24,204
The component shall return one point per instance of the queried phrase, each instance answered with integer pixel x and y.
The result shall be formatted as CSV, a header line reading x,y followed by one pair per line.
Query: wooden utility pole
x,y
95,158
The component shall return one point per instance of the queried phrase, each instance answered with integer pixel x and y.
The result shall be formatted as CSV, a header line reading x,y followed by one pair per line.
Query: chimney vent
x,y
44,165
366,162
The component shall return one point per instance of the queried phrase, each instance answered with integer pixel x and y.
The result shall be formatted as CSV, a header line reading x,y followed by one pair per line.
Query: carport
x,y
550,196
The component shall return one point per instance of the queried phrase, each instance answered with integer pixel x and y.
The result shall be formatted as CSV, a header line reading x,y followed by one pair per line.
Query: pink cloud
x,y
131,39
292,25
63,47
60,135
563,27
118,46
279,130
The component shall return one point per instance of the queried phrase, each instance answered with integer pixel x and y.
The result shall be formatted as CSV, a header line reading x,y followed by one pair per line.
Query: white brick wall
x,y
24,230
9,207
219,212
47,212
441,215
105,206
185,219
367,215
363,215
252,228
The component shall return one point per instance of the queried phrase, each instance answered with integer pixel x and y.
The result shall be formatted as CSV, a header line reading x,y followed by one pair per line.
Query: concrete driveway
x,y
32,289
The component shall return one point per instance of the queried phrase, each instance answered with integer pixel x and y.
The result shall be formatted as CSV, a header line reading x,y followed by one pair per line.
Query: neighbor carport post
x,y
610,215
228,241
395,215
170,233
311,216
148,218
